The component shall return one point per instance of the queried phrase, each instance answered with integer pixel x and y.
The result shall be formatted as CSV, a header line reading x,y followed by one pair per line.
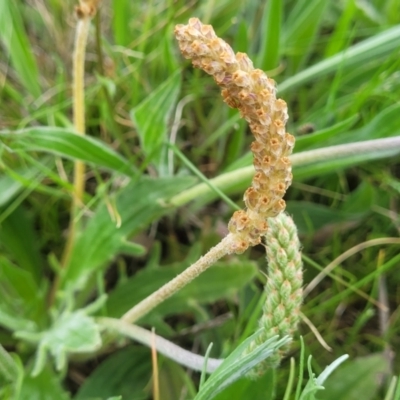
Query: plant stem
x,y
223,248
78,102
78,90
162,345
242,176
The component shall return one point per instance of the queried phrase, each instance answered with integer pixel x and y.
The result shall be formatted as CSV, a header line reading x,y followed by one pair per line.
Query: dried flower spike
x,y
254,94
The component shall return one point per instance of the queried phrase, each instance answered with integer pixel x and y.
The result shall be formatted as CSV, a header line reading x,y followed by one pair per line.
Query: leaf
x,y
15,40
261,389
71,333
22,300
125,373
357,379
316,384
219,281
138,204
9,187
46,386
270,35
151,118
66,143
19,238
236,365
374,48
301,28
311,217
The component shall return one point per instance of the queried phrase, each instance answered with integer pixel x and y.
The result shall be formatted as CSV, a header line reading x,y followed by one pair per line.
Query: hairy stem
x,y
162,345
139,310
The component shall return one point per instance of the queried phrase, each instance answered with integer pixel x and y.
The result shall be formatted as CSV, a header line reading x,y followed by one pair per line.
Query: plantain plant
x,y
94,211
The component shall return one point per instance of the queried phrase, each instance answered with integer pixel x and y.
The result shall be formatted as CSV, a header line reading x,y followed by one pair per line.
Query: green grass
x,y
148,215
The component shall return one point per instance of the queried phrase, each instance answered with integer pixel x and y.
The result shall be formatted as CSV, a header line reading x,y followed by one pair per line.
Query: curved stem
x,y
244,175
142,308
162,345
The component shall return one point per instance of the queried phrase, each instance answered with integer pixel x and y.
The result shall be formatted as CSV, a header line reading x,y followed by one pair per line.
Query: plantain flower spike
x,y
254,95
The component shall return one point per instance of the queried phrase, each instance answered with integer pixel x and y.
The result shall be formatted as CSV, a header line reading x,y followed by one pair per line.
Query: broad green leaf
x,y
219,281
22,301
152,116
172,378
311,217
126,373
15,40
356,379
138,204
261,389
20,239
46,386
67,143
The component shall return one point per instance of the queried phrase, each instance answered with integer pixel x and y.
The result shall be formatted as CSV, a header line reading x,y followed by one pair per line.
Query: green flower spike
x,y
281,311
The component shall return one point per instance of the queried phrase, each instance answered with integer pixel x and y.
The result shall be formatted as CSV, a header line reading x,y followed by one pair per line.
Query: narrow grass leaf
x,y
15,40
372,49
121,18
300,30
66,143
340,37
270,32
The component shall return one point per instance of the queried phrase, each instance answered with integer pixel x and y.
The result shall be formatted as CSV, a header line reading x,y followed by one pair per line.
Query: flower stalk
x,y
85,11
254,94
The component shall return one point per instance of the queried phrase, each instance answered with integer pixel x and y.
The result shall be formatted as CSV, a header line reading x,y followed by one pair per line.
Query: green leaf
x,y
71,333
220,281
15,40
236,365
270,35
22,300
374,48
138,204
151,118
261,389
316,384
20,239
126,373
356,379
67,143
311,217
301,28
46,386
